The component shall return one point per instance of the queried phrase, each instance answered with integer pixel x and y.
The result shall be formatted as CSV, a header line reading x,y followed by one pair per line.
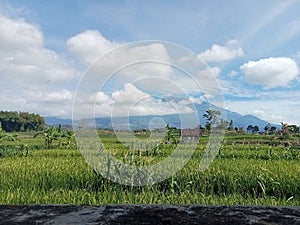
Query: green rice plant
x,y
255,174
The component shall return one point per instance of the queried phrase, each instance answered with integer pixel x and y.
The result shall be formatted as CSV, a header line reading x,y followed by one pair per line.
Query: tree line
x,y
13,121
212,118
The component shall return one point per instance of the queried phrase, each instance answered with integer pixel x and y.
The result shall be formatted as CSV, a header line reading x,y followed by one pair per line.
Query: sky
x,y
54,54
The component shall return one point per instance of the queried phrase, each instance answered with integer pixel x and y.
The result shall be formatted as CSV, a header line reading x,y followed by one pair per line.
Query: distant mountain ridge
x,y
142,122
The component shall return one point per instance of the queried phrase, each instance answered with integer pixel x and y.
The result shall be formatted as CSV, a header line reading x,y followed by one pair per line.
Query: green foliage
x,y
212,118
171,133
251,169
230,127
293,128
5,136
52,133
253,129
21,121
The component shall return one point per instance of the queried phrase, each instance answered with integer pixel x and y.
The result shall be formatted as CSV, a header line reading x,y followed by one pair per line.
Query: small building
x,y
190,135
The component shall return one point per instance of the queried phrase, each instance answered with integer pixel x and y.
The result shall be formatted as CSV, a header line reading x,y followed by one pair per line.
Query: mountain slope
x,y
238,120
145,122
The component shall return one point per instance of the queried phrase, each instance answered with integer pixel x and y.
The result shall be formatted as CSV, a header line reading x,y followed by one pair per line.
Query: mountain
x,y
148,121
56,121
238,120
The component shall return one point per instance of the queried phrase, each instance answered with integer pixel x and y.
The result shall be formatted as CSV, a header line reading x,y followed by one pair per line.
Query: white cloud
x,y
132,101
46,103
272,110
204,81
210,72
146,66
159,69
129,101
16,34
58,96
33,78
90,45
129,63
198,100
218,53
24,60
232,73
136,79
271,105
271,72
130,94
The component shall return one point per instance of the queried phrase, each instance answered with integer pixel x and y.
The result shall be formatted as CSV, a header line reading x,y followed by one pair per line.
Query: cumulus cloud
x,y
58,96
153,67
16,34
148,66
128,101
218,53
130,94
271,72
208,81
37,79
136,79
127,64
23,58
31,74
89,45
47,103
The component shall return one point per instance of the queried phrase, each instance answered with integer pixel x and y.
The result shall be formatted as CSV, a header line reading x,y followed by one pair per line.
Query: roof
x,y
196,132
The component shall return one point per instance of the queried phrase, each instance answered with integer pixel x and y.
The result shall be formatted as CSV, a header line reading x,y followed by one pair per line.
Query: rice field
x,y
241,174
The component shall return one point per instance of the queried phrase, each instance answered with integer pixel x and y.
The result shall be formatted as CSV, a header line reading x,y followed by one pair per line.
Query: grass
x,y
242,174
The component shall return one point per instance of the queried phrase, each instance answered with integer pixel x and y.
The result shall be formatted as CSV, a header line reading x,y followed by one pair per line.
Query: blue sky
x,y
252,48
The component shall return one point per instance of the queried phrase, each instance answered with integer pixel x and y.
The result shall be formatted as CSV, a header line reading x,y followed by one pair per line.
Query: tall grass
x,y
241,174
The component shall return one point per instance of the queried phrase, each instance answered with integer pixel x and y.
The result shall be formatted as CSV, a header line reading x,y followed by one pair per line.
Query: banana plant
x,y
52,133
59,135
6,136
70,137
170,135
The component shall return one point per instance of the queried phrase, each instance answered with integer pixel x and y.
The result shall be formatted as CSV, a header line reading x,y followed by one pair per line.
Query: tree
x,y
273,130
6,136
293,128
267,129
250,129
21,121
230,127
255,129
211,118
